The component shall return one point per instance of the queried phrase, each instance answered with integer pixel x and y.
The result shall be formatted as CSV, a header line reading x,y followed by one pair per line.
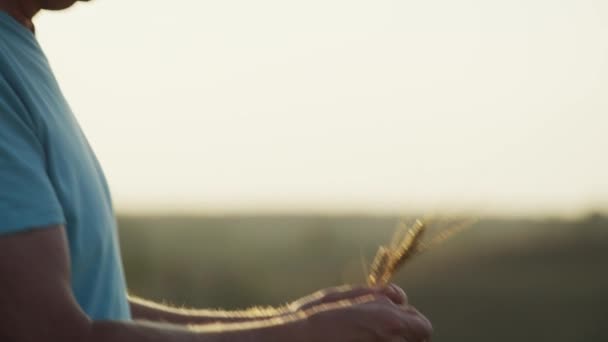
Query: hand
x,y
342,293
372,318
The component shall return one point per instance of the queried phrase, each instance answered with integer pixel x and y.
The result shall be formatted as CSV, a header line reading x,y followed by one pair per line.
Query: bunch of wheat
x,y
407,243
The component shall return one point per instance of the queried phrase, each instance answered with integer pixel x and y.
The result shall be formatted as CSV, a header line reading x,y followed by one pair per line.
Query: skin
x,y
38,303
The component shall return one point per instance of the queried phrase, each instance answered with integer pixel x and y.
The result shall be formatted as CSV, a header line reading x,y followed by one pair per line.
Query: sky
x,y
341,105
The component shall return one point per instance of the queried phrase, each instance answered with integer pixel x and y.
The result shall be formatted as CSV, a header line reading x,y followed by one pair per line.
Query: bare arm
x,y
151,311
38,304
142,309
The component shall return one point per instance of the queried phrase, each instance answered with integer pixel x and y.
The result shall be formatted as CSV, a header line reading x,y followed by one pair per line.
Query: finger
x,y
388,320
395,293
413,310
332,295
398,339
345,293
415,326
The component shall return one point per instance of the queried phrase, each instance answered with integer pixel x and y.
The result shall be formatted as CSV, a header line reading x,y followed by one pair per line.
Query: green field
x,y
501,280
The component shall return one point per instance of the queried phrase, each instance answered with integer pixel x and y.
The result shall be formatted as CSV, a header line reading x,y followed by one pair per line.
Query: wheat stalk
x,y
405,244
379,266
389,259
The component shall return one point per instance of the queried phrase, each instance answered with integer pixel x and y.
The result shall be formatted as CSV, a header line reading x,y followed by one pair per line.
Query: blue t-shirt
x,y
49,174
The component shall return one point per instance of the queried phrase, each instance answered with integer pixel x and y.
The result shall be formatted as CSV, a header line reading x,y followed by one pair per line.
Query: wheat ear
x,y
388,260
405,244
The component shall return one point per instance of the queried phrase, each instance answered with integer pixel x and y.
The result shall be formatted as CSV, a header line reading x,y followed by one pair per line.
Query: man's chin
x,y
56,5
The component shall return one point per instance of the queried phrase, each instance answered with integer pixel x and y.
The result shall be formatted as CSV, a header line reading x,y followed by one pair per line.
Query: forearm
x,y
106,331
146,310
278,330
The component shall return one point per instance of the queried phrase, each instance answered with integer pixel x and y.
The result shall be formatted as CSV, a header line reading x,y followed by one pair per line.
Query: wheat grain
x,y
405,244
389,259
379,266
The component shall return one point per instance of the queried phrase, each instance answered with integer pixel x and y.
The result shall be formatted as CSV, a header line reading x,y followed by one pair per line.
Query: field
x,y
501,280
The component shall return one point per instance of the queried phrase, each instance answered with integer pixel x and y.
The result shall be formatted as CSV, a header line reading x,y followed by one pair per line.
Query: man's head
x,y
24,10
57,4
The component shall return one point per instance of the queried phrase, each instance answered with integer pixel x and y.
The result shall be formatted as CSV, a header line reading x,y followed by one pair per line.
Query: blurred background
x,y
260,150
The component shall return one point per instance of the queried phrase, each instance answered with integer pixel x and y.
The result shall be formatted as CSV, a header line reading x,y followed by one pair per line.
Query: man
x,y
60,268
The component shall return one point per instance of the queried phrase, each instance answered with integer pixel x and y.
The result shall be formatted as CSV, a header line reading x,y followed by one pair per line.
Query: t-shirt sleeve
x,y
27,197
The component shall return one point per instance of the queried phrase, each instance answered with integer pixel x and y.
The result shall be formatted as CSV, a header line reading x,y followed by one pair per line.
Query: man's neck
x,y
22,10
